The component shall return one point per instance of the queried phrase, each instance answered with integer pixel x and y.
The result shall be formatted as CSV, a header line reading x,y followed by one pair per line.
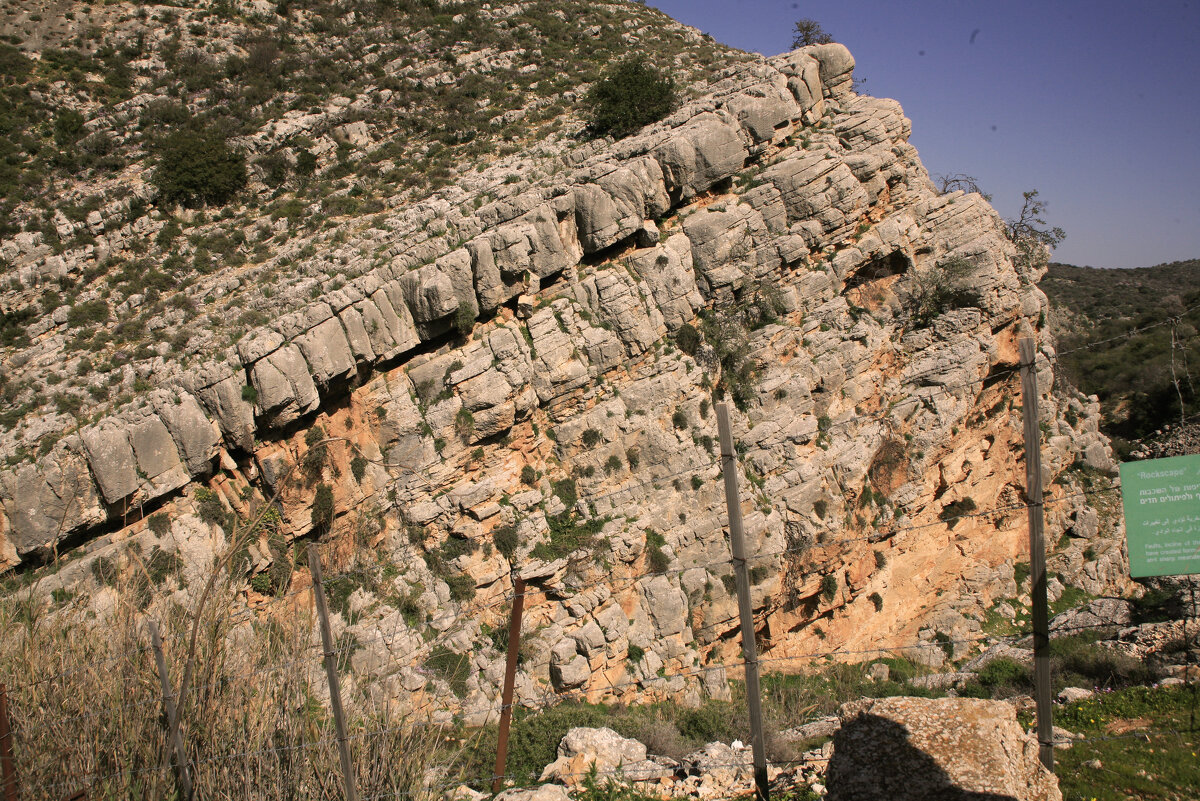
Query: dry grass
x,y
86,707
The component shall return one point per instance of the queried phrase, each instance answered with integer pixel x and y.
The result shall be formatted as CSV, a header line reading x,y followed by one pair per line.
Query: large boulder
x,y
196,437
111,457
705,151
221,390
285,390
916,749
836,66
45,502
609,210
765,113
803,73
582,748
667,269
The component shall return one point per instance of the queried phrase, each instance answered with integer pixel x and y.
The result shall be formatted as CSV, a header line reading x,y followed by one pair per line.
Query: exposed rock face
x,y
523,380
897,749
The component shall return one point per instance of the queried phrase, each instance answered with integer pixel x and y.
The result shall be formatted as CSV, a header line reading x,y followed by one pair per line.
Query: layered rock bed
x,y
525,401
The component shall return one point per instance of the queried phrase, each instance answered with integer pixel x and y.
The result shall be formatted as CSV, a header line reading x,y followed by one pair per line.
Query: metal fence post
x,y
1037,554
335,687
749,647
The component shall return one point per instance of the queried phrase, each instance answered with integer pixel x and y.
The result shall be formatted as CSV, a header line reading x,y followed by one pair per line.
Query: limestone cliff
x,y
526,400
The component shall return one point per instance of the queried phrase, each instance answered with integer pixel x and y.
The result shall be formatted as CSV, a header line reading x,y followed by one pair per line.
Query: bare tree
x,y
960,181
809,32
1030,233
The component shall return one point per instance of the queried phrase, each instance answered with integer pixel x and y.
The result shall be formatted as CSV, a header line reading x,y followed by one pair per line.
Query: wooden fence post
x,y
168,700
1190,668
8,766
1037,554
510,677
749,647
335,687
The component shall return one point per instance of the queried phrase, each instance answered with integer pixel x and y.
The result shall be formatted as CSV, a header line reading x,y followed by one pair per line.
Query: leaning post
x,y
331,673
1037,553
172,712
749,647
510,678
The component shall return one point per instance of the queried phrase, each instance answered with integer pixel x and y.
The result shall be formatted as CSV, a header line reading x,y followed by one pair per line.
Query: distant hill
x,y
1132,376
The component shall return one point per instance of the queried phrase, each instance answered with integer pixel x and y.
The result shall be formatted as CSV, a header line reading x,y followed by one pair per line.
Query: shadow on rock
x,y
948,749
873,759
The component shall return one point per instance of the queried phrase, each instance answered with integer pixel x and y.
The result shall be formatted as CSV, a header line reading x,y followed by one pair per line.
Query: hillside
x,y
1134,376
334,123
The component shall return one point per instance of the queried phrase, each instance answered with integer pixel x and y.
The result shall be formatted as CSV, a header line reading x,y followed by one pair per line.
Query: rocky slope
x,y
525,384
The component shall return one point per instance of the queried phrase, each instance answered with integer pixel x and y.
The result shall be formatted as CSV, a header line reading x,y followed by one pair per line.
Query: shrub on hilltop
x,y
632,94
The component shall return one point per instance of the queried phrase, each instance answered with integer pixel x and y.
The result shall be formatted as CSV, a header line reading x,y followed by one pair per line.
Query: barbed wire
x,y
1174,319
632,581
558,697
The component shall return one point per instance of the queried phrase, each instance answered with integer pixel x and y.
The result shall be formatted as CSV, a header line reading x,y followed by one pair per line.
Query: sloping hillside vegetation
x,y
1143,381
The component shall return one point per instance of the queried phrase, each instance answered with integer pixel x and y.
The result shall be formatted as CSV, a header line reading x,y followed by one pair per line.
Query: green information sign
x,y
1162,515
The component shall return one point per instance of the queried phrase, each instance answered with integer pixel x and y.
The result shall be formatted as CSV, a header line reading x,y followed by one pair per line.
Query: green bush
x,y
68,127
953,511
210,508
452,668
687,338
712,722
938,290
88,312
1080,661
656,560
322,508
464,424
632,94
160,524
105,571
316,456
464,318
829,587
565,491
1004,673
275,168
198,168
533,742
506,540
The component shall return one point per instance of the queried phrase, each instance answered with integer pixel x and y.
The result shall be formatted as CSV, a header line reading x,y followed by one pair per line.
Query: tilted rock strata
x,y
309,354
862,430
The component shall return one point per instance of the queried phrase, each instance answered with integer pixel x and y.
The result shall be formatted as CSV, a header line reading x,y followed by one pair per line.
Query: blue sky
x,y
1095,104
